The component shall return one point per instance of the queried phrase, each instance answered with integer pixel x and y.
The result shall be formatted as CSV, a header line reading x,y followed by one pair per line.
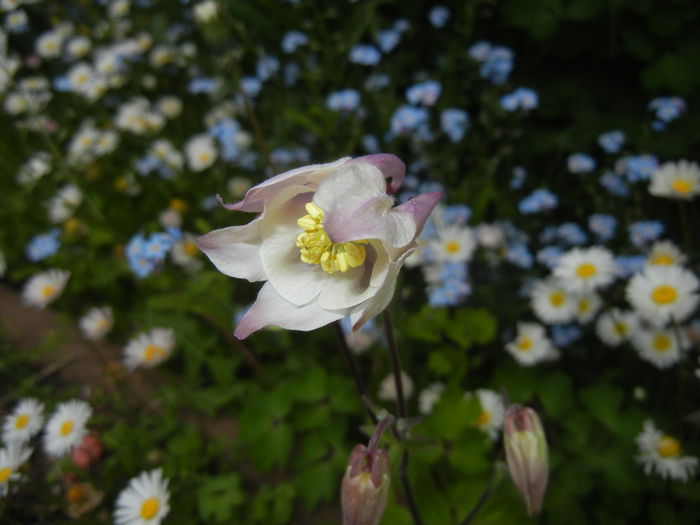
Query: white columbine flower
x,y
665,253
615,327
11,459
661,454
676,180
552,303
66,427
662,347
145,501
24,422
44,288
662,293
149,349
201,152
531,345
97,322
490,420
583,270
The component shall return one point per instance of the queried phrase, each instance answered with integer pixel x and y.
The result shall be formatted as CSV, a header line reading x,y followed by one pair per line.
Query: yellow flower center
x,y
586,270
663,259
190,248
48,290
21,421
664,294
204,157
557,298
668,447
620,328
66,428
583,306
5,473
452,247
178,205
483,418
152,352
661,343
75,493
149,508
682,186
316,247
524,344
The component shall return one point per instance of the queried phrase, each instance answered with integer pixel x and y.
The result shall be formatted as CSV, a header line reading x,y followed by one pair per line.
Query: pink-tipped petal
x,y
419,208
391,167
270,308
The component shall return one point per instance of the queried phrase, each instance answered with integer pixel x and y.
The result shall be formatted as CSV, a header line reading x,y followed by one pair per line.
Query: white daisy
x,y
149,349
454,244
97,322
616,326
665,253
206,11
201,152
429,396
387,388
661,453
490,420
531,345
145,501
66,427
186,254
44,288
587,306
676,180
583,270
662,347
662,293
11,459
169,106
24,422
551,302
64,203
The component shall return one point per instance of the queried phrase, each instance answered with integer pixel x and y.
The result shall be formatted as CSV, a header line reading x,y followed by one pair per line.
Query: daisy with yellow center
x,y
490,419
584,270
531,345
676,180
66,427
145,501
665,253
661,454
587,306
149,349
663,293
552,303
185,253
44,288
660,347
616,326
11,459
24,422
454,244
97,322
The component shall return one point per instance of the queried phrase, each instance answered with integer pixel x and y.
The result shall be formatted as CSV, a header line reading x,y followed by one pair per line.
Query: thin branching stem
x,y
354,370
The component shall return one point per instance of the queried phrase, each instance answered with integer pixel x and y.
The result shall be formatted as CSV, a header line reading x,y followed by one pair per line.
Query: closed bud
x,y
365,487
526,454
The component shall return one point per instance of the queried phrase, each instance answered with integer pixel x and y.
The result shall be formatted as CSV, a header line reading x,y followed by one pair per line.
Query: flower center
x,y
48,290
524,344
452,247
586,270
190,248
661,343
75,493
556,298
5,474
583,306
663,259
316,247
668,447
21,421
620,328
152,352
204,157
681,186
483,418
66,428
149,508
664,294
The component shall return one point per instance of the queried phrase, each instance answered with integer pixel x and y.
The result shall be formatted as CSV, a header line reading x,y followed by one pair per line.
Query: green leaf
x,y
218,496
319,483
555,393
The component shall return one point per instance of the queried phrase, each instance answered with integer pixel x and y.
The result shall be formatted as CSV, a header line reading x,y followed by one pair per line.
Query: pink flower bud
x,y
87,452
526,455
365,487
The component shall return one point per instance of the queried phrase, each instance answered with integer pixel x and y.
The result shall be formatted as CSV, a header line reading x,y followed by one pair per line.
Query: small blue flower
x,y
519,176
580,163
449,294
292,40
549,255
266,67
480,51
424,94
201,85
643,233
498,65
454,123
365,54
564,335
549,234
603,226
522,98
251,86
627,265
388,39
538,201
401,25
431,186
226,132
377,81
43,245
611,141
456,214
345,100
62,83
667,109
370,143
615,184
637,167
407,119
439,15
453,272
519,255
572,234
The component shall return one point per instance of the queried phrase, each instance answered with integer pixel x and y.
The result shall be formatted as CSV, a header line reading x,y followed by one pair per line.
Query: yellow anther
x,y
21,421
586,270
664,294
149,508
66,428
682,186
668,447
524,344
663,259
152,352
556,298
48,290
5,474
661,343
483,418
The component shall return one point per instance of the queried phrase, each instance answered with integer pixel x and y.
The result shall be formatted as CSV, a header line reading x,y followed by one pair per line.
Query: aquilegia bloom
x,y
327,242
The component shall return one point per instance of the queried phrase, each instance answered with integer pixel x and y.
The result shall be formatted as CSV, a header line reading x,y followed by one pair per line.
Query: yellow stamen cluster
x,y
586,270
483,419
21,421
5,474
668,447
661,343
149,508
681,186
152,352
663,259
66,428
556,298
316,247
524,344
664,294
